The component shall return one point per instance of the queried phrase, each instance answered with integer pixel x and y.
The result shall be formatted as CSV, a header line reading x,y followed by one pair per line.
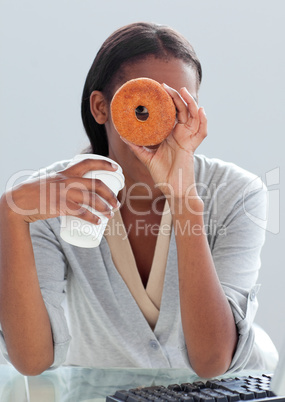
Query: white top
x,y
148,298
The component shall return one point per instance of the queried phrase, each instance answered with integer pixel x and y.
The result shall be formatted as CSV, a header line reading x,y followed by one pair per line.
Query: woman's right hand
x,y
63,193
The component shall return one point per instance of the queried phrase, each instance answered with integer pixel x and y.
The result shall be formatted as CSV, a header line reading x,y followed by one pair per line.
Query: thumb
x,y
144,154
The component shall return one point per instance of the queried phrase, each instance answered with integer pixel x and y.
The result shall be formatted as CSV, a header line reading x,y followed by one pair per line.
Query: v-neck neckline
x,y
148,298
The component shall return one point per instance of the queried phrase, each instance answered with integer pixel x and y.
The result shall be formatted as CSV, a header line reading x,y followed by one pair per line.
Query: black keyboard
x,y
224,390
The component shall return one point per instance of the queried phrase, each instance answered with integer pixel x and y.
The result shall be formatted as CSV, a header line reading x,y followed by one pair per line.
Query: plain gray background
x,y
48,47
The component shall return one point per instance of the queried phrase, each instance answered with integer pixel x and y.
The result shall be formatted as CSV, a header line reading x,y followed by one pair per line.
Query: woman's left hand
x,y
171,165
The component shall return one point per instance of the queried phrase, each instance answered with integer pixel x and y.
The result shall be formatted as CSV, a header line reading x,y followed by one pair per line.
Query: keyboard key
x,y
136,398
213,383
200,397
174,387
238,378
229,379
218,397
246,395
154,388
258,393
270,393
171,393
123,395
170,398
231,396
186,398
268,376
188,387
199,384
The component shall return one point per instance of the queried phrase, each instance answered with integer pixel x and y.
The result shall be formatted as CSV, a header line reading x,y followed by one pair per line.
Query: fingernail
x,y
114,166
166,87
150,150
124,140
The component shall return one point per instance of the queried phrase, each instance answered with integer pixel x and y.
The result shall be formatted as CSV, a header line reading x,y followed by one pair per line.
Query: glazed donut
x,y
143,112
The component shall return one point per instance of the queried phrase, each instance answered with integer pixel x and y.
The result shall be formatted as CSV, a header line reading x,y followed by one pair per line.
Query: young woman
x,y
172,283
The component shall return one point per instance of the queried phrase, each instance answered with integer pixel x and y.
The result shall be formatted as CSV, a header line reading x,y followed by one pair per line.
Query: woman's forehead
x,y
174,72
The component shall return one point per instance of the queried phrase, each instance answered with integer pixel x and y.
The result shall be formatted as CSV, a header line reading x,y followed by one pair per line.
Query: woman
x,y
144,298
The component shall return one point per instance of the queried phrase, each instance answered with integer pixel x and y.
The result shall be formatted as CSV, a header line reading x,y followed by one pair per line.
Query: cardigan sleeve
x,y
236,253
52,271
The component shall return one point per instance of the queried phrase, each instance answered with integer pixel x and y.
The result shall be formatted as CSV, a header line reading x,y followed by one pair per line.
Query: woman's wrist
x,y
187,209
7,212
187,202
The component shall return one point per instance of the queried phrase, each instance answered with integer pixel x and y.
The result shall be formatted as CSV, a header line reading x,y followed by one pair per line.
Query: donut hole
x,y
141,113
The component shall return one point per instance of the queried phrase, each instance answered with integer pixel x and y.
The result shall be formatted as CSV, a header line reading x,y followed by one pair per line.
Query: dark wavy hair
x,y
129,44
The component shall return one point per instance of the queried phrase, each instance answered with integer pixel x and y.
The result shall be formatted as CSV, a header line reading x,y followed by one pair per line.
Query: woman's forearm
x,y
208,323
24,319
23,315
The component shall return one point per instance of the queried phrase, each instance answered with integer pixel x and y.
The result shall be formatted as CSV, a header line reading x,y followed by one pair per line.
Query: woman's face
x,y
176,74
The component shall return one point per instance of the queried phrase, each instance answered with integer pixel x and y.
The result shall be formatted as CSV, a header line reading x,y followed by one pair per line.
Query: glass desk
x,y
76,384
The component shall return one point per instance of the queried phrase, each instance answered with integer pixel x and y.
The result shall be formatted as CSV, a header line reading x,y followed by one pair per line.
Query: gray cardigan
x,y
102,325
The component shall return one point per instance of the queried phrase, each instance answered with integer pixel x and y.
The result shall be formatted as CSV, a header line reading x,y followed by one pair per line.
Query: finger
x,y
193,120
144,154
87,195
82,167
203,127
92,185
100,188
181,107
92,200
83,213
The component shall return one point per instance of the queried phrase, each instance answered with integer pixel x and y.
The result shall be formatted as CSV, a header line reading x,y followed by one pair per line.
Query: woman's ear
x,y
99,107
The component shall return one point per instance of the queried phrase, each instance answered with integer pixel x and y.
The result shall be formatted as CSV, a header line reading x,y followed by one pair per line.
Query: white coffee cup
x,y
79,232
